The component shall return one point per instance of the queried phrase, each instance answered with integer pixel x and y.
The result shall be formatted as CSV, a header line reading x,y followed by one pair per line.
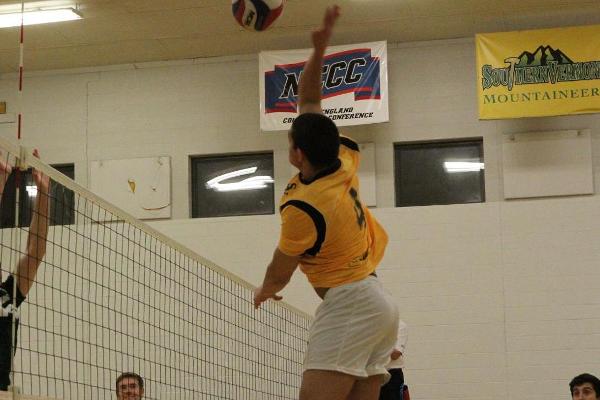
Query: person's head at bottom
x,y
585,387
130,386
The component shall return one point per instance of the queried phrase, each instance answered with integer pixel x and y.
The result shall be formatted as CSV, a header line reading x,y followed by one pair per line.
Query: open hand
x,y
320,36
260,297
42,181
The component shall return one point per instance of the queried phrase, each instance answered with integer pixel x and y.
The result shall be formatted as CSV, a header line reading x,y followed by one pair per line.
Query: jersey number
x,y
360,213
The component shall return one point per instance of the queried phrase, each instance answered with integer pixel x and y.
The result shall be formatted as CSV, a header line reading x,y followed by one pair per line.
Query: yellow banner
x,y
538,73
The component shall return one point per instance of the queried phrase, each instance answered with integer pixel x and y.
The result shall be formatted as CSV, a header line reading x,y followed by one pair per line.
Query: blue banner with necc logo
x,y
354,85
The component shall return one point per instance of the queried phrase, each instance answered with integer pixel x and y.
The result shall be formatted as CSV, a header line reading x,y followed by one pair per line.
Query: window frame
x,y
194,202
439,143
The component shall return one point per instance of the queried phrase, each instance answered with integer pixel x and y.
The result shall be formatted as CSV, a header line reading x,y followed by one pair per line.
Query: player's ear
x,y
301,155
296,155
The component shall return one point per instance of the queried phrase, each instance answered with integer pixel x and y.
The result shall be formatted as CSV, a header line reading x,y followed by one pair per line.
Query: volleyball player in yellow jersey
x,y
338,245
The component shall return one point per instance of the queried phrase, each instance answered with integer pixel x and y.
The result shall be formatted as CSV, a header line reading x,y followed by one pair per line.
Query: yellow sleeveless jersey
x,y
324,222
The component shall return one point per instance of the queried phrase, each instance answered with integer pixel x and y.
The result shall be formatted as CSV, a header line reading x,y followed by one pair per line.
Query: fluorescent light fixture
x,y
252,183
31,190
33,17
463,166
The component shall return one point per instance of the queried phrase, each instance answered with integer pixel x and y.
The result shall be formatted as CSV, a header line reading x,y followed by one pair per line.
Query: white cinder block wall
x,y
502,298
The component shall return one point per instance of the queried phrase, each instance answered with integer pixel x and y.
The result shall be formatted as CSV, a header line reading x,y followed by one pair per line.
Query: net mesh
x,y
112,295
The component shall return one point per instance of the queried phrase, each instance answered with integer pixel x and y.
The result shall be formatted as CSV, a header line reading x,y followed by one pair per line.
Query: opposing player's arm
x,y
401,340
5,170
309,98
38,232
402,336
395,354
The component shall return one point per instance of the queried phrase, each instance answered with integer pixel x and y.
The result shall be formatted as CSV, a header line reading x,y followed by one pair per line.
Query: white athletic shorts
x,y
354,330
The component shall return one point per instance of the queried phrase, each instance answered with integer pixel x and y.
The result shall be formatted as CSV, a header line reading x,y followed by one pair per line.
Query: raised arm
x,y
38,233
309,98
5,170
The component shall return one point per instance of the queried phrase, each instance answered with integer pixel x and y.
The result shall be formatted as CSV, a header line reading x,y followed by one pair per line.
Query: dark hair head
x,y
318,138
585,378
130,375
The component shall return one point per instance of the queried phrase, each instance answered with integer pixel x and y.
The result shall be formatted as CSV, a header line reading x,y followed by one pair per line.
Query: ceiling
x,y
133,31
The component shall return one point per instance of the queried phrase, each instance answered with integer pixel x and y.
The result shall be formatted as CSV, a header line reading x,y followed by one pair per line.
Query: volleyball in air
x,y
256,15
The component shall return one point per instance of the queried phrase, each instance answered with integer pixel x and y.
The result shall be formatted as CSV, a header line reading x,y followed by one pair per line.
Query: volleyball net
x,y
113,295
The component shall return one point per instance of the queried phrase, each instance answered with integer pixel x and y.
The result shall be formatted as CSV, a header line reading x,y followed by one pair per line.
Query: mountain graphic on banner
x,y
542,56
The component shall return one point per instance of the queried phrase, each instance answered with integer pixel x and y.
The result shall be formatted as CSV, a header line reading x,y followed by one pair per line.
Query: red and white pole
x,y
21,52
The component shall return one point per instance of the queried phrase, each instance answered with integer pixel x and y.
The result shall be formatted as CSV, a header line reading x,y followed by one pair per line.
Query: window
x,y
62,210
62,200
230,185
441,172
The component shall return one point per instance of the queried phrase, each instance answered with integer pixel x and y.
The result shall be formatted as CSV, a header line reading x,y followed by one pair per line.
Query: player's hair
x,y
318,138
124,375
585,378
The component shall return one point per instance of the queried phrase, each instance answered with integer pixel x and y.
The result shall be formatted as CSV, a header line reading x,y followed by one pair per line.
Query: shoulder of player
x,y
297,206
300,207
349,144
5,294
